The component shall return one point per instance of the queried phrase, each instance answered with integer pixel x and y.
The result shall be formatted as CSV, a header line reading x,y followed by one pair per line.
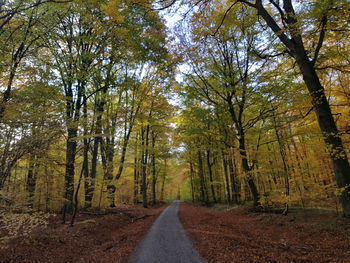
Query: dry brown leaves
x,y
95,238
240,236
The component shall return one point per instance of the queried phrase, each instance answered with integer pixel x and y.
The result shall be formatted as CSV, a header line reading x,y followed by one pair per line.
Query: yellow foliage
x,y
113,9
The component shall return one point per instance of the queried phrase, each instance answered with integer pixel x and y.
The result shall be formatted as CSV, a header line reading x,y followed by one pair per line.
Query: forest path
x,y
166,241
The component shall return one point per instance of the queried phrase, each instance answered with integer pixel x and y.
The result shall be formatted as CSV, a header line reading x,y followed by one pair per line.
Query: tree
x,y
20,30
286,23
226,78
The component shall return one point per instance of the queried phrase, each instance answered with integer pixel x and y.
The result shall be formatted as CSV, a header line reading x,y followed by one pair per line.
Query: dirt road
x,y
166,241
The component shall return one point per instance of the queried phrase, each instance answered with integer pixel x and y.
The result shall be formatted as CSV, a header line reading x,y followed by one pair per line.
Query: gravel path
x,y
166,242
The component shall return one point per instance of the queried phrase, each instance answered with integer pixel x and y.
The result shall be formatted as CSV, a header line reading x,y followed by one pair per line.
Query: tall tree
x,y
289,26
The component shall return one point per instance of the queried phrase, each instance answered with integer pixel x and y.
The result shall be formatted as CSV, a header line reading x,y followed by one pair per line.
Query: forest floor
x,y
94,238
237,235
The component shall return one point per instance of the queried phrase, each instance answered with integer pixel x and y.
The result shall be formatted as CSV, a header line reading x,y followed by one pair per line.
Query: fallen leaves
x,y
239,236
94,238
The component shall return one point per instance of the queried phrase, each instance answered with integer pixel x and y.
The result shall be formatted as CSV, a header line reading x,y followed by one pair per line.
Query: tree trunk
x,y
329,129
325,119
7,93
107,163
145,142
136,172
233,177
163,180
31,180
123,155
243,152
282,152
191,178
203,190
247,169
210,172
71,145
154,171
16,59
89,183
227,181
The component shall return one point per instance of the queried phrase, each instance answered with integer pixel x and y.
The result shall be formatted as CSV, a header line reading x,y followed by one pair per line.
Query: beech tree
x,y
288,28
228,77
20,29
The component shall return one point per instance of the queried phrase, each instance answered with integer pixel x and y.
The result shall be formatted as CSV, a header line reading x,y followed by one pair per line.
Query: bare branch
x,y
320,39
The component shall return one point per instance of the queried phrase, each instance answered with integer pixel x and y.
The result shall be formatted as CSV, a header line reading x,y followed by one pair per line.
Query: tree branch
x,y
320,39
223,18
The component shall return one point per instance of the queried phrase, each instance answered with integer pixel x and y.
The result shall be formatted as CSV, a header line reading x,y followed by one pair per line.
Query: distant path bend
x,y
166,242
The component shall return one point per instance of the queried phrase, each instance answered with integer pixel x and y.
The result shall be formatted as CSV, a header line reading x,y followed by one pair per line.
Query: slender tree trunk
x,y
145,139
210,172
76,196
192,184
154,171
16,60
163,180
88,182
128,128
243,153
73,116
31,179
233,177
247,169
123,155
107,163
71,146
297,158
136,172
203,190
7,93
282,152
227,181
